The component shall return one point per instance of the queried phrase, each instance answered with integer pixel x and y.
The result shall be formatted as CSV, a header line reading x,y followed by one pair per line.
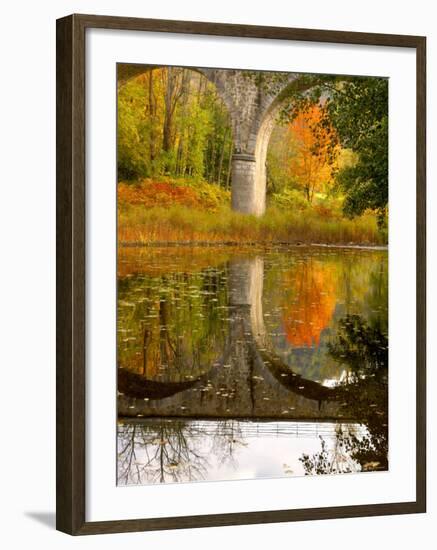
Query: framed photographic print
x,y
240,274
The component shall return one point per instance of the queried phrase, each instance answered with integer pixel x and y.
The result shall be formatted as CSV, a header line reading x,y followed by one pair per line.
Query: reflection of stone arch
x,y
229,388
253,101
138,386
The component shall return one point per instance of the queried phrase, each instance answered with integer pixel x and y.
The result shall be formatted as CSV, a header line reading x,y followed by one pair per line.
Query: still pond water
x,y
251,363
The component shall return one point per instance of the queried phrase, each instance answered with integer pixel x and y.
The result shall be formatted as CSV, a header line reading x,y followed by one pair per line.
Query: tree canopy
x,y
171,122
327,156
357,108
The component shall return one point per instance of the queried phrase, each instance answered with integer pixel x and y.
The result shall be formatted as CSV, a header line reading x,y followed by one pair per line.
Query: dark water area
x,y
248,363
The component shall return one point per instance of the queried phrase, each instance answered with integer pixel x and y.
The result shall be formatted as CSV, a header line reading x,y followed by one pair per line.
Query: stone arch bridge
x,y
253,101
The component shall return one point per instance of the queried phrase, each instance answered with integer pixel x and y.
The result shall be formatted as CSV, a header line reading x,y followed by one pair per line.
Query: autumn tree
x,y
357,108
171,121
315,152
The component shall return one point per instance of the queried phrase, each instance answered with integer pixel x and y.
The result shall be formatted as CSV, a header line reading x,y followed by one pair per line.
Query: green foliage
x,y
280,154
171,122
289,199
134,130
359,111
357,107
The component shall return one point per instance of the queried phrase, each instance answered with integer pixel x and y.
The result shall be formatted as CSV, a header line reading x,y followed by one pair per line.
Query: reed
x,y
182,224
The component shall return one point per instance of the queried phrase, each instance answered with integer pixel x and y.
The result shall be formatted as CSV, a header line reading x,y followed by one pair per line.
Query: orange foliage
x,y
311,166
314,304
152,193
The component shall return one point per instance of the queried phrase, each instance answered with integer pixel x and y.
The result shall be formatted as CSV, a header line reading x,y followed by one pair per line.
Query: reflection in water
x,y
172,450
161,452
219,351
313,304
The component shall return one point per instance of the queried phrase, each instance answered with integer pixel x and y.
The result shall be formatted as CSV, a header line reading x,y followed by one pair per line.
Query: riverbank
x,y
246,245
181,225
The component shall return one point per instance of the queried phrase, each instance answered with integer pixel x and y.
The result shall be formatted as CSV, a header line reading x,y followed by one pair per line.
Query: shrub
x,y
168,192
290,199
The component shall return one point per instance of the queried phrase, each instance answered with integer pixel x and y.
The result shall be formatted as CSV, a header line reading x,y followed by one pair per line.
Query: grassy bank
x,y
137,224
180,211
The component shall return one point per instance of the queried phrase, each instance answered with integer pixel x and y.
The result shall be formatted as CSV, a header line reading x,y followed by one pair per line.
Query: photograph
x,y
215,228
252,274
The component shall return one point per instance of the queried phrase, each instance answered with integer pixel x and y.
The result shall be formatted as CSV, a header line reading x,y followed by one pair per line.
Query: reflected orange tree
x,y
312,307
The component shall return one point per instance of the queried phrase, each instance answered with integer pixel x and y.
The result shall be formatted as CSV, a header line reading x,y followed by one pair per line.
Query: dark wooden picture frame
x,y
71,283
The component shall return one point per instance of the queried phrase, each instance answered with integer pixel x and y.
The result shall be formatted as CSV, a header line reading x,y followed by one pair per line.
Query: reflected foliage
x,y
158,454
170,326
312,308
292,334
316,289
174,450
335,459
363,351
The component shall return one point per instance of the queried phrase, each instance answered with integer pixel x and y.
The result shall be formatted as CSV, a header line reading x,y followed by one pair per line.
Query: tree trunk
x,y
228,176
222,154
152,113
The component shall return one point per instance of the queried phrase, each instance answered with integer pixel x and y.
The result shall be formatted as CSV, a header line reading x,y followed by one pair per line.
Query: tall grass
x,y
180,224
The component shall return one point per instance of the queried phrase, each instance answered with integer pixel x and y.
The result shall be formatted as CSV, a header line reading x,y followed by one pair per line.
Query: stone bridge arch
x,y
253,100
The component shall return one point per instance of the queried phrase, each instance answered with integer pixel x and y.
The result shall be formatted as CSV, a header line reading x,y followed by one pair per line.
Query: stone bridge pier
x,y
253,101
